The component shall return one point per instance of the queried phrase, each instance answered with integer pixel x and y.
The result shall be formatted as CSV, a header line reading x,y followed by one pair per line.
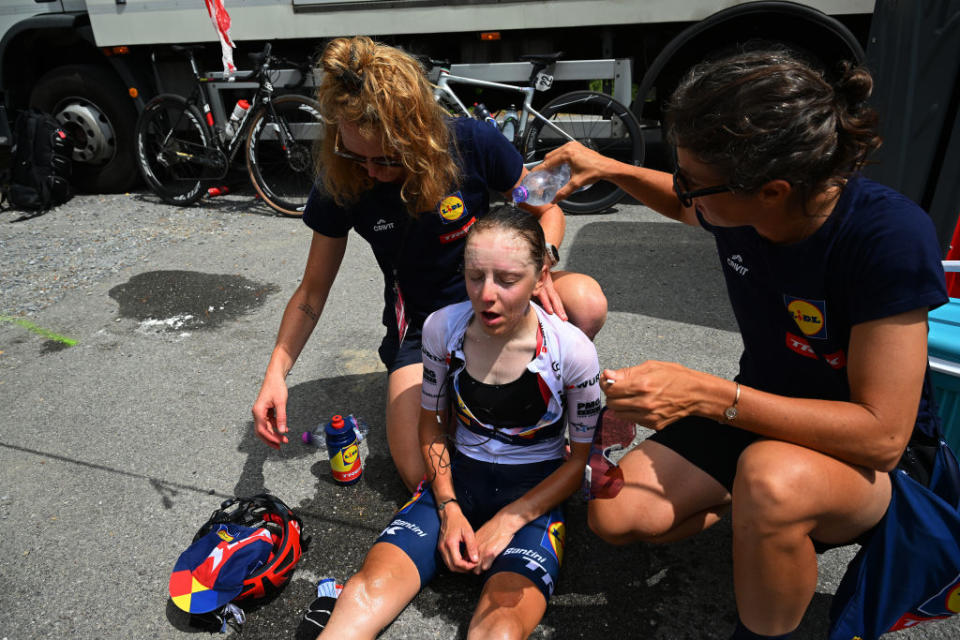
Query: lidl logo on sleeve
x,y
452,207
810,316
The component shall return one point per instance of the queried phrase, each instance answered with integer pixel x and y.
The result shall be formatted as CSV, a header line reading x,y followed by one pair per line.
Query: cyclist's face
x,y
353,142
501,278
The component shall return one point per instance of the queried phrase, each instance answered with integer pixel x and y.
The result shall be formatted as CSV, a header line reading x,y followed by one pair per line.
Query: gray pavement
x,y
113,451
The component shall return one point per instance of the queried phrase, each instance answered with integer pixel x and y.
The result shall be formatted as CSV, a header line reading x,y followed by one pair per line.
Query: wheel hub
x,y
92,135
300,158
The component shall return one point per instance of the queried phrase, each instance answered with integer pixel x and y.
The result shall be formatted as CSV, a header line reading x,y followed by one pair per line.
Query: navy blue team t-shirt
x,y
426,251
875,256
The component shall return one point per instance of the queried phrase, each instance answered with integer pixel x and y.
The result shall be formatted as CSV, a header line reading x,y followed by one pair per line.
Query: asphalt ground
x,y
113,451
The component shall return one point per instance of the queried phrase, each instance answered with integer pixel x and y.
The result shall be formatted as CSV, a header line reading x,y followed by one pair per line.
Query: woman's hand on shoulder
x,y
653,394
457,543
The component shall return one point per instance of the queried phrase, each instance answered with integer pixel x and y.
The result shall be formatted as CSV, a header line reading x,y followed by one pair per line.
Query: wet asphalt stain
x,y
188,300
52,346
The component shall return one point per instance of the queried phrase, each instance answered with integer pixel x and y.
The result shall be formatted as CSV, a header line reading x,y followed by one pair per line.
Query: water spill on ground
x,y
188,300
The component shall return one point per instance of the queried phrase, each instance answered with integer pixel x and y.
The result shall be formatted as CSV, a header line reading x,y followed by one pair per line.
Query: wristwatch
x,y
552,253
730,413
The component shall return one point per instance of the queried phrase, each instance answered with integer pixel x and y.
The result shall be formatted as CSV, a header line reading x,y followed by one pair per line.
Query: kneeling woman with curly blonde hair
x,y
411,181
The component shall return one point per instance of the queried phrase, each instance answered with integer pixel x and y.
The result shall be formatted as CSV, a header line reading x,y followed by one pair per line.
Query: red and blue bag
x,y
908,572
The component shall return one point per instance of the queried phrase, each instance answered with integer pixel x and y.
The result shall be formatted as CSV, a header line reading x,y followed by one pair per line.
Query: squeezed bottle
x,y
540,187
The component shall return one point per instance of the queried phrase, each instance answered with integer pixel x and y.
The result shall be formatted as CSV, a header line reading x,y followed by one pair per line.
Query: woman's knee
x,y
770,485
616,522
584,302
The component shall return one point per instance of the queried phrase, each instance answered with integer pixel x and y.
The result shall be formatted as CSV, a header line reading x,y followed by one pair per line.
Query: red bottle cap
x,y
336,422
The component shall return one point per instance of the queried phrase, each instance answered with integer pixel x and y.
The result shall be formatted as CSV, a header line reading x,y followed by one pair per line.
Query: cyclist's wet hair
x,y
384,93
764,115
518,222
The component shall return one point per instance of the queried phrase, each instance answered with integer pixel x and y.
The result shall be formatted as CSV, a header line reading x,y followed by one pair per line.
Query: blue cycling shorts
x,y
482,489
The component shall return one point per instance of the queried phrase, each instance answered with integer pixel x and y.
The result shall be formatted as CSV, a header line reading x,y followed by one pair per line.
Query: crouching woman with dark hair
x,y
503,383
830,276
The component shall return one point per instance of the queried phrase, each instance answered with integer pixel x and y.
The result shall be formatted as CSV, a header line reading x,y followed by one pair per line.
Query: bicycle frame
x,y
442,90
263,96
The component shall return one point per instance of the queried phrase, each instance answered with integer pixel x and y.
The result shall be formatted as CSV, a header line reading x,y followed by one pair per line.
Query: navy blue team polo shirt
x,y
426,251
876,256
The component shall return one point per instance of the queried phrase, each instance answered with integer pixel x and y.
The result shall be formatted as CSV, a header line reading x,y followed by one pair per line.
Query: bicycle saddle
x,y
187,48
543,59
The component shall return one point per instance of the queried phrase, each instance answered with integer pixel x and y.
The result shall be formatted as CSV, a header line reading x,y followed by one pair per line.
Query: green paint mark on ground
x,y
40,331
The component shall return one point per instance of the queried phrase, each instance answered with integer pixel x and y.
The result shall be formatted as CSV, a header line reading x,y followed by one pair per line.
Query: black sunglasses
x,y
383,161
686,196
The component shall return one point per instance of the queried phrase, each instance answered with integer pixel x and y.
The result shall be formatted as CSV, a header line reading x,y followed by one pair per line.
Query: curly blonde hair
x,y
384,93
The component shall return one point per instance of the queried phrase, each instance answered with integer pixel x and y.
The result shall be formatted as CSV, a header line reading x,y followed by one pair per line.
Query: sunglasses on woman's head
x,y
383,161
686,196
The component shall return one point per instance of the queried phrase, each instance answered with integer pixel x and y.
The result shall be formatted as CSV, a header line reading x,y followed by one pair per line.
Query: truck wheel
x,y
92,106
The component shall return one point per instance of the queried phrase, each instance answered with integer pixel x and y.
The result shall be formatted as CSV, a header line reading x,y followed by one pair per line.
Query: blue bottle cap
x,y
520,194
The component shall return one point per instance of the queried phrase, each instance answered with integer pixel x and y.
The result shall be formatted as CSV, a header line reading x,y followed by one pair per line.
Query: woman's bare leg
x,y
783,495
375,595
510,607
403,412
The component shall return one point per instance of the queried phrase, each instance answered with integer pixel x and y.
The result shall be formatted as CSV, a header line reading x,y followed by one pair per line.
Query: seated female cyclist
x,y
517,378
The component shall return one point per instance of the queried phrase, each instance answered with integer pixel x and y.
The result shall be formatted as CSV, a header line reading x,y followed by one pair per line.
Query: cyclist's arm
x,y
653,188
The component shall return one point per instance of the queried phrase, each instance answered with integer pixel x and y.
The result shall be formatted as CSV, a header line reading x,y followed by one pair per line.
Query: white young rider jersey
x,y
568,370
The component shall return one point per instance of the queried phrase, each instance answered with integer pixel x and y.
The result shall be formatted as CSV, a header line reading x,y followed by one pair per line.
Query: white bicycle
x,y
591,118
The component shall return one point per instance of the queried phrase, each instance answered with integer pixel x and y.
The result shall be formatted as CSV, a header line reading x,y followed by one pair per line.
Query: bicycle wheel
x,y
172,149
598,122
280,156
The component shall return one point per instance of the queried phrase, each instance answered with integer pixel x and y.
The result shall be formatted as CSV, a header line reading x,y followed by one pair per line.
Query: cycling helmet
x,y
270,512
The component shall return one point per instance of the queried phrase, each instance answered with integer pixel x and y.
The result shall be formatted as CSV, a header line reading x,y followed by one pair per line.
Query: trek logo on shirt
x,y
810,316
452,208
800,346
453,236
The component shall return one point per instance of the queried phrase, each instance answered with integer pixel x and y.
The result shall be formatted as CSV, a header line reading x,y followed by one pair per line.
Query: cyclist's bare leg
x,y
583,300
510,606
375,595
403,414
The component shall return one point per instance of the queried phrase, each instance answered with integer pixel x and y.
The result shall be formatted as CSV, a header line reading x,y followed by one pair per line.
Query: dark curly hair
x,y
764,115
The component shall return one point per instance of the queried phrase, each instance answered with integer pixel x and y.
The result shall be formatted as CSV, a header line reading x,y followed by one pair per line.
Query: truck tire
x,y
92,105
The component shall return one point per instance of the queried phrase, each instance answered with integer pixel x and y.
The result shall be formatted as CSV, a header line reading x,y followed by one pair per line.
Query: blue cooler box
x,y
943,345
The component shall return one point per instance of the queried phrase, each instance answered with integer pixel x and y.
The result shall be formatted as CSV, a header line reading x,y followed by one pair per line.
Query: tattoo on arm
x,y
307,309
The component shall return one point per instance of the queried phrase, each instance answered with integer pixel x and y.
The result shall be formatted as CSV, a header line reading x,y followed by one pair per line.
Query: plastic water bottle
x,y
539,187
238,111
509,125
480,112
342,438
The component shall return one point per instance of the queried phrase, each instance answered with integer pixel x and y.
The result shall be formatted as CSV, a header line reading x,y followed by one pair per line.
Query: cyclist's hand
x,y
586,167
550,300
457,543
492,538
270,412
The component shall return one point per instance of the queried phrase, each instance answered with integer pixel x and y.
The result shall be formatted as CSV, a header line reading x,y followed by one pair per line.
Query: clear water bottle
x,y
508,127
539,187
239,110
480,112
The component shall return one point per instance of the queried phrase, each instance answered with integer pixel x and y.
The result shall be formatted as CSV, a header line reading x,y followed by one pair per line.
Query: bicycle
x,y
592,118
181,148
